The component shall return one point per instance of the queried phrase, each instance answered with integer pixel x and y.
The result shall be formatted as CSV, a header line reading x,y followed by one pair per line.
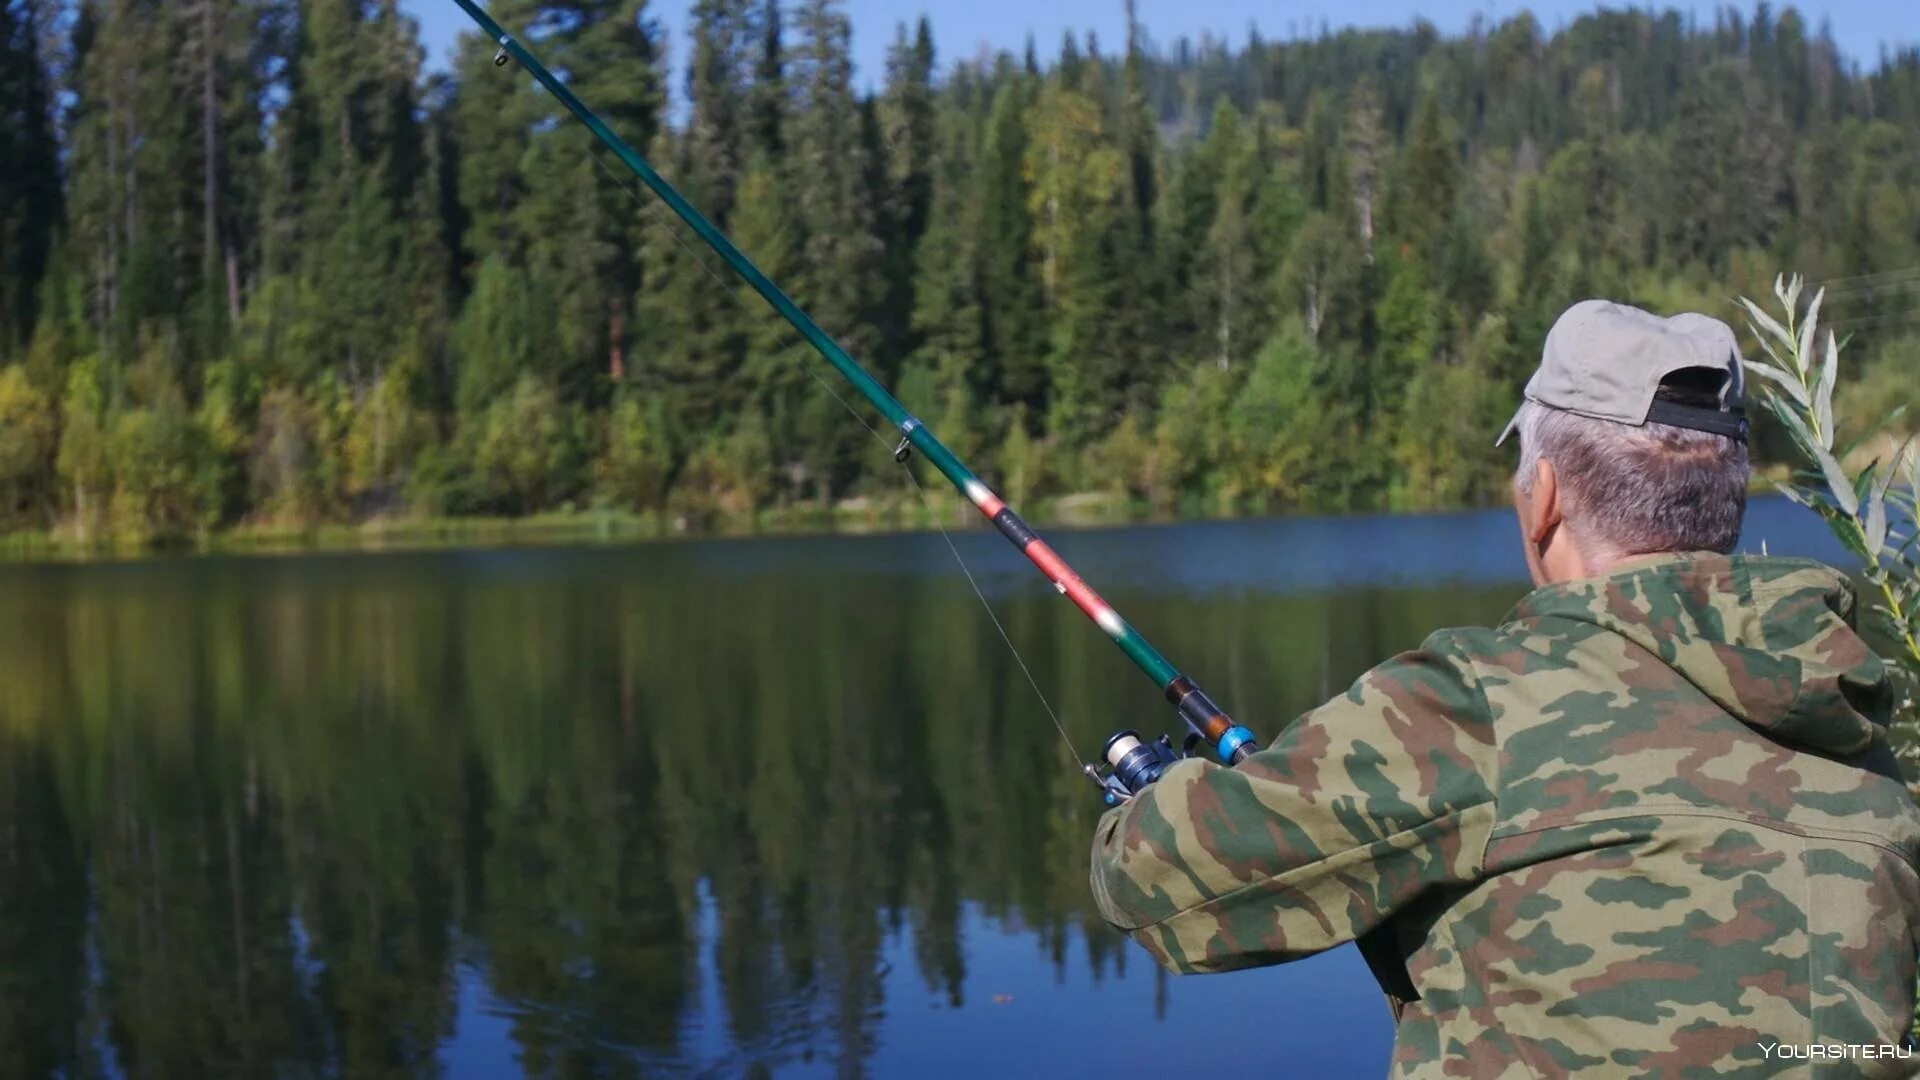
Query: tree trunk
x,y
616,349
210,150
233,284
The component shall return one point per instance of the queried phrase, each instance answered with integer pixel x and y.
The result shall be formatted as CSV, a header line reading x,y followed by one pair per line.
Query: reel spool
x,y
1130,765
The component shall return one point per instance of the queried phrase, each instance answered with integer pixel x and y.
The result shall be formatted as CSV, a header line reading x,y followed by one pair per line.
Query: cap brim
x,y
1512,426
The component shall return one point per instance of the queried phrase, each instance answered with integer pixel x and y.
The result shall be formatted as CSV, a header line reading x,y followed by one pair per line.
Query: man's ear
x,y
1544,502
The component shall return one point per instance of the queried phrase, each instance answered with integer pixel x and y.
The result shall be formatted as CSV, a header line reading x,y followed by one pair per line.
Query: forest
x,y
262,268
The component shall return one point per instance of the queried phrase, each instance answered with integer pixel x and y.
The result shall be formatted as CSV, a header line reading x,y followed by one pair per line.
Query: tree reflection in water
x,y
729,806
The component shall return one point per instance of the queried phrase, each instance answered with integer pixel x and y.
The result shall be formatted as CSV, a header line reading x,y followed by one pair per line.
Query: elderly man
x,y
1649,825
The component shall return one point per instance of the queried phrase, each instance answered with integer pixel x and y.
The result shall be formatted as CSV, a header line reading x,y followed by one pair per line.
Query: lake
x,y
730,807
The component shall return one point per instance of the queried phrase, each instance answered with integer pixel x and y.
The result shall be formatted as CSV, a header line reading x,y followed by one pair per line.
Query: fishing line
x,y
1131,764
788,342
934,513
1867,281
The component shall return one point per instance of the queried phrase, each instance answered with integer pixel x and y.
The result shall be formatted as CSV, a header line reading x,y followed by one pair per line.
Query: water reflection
x,y
731,807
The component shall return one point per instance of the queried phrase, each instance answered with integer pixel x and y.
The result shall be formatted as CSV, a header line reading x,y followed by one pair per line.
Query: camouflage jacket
x,y
1650,825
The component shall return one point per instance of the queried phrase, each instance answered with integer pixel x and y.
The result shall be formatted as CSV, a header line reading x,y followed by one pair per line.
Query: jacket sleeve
x,y
1353,812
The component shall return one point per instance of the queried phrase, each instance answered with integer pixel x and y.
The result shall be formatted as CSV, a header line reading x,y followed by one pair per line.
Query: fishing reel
x,y
1132,763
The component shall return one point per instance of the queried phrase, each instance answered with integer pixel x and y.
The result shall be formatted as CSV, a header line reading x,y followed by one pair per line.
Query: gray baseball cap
x,y
1607,361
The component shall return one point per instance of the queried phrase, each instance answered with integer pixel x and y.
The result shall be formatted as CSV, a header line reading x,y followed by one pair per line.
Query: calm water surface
x,y
733,807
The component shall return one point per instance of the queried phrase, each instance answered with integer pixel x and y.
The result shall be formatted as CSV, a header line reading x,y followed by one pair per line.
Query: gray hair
x,y
1637,490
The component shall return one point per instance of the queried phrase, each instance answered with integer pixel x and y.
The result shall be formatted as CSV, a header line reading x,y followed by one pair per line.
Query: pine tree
x,y
1431,179
718,87
773,373
673,333
1078,177
1015,321
768,100
229,73
949,316
30,194
1724,128
1139,319
831,170
906,114
1226,287
579,216
493,118
134,176
1362,146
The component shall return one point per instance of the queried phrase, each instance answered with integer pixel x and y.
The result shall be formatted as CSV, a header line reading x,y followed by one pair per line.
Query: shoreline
x,y
566,527
851,517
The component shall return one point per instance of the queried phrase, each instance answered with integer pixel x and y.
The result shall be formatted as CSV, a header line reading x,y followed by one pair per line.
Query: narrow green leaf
x,y
1838,482
1813,320
1912,468
1765,323
1794,421
1883,478
1773,355
1876,525
1863,483
1850,539
1783,379
1796,493
1844,493
1823,393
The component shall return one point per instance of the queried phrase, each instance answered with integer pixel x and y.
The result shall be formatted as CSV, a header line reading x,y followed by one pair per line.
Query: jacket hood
x,y
1770,640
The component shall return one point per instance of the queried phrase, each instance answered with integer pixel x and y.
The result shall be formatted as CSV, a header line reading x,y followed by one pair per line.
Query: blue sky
x,y
965,27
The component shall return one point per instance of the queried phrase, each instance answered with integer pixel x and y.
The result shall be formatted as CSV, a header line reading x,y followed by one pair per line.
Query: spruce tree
x,y
1226,292
773,374
1076,203
768,100
1431,179
719,75
830,171
356,159
906,116
1016,333
30,194
672,332
949,315
579,222
493,116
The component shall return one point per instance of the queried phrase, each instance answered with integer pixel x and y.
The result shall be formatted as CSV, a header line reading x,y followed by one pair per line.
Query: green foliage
x,y
1870,507
527,449
282,467
258,241
30,192
163,488
28,444
638,459
84,463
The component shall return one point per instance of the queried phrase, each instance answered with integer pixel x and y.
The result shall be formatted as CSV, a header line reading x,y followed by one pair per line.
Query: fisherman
x,y
1648,825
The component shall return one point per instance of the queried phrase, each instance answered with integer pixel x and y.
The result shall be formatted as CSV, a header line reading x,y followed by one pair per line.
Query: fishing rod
x,y
1131,763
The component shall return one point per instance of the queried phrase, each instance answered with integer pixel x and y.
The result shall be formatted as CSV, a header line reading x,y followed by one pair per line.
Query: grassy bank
x,y
566,526
607,525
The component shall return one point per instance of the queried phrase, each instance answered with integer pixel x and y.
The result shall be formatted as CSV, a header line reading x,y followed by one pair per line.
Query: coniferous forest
x,y
261,268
